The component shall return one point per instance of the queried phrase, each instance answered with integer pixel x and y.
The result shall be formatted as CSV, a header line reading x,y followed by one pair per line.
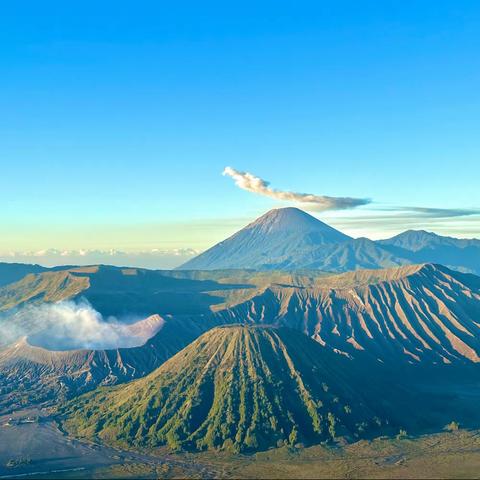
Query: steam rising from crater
x,y
70,325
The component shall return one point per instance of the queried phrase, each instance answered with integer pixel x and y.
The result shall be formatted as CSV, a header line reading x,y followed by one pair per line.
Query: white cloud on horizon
x,y
374,222
317,203
154,258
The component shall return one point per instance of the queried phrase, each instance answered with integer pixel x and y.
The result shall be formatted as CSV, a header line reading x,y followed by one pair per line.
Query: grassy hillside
x,y
117,291
122,291
44,287
237,388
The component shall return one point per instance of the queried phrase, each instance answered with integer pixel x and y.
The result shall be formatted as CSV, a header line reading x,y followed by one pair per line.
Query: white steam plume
x,y
248,181
69,325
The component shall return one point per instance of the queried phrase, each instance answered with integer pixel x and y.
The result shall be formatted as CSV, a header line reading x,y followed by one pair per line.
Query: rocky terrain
x,y
419,314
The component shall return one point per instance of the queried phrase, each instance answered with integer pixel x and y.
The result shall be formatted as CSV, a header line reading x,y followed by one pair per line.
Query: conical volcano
x,y
281,238
237,388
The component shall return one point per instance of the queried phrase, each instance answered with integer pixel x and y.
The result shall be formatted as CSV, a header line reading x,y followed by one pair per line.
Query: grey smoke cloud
x,y
251,183
68,325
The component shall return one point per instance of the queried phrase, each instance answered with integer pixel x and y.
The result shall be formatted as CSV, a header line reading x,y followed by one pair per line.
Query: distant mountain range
x,y
424,247
291,239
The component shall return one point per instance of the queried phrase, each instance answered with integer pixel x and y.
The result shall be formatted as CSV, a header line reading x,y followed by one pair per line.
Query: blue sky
x,y
118,120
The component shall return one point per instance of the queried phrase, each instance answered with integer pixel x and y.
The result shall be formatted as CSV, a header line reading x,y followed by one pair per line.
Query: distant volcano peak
x,y
273,240
285,214
291,218
291,239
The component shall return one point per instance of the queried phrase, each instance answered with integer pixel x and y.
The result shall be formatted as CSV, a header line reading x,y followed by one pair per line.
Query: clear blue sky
x,y
117,118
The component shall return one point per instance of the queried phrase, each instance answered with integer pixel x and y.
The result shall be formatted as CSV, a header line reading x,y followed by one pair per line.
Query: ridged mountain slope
x,y
420,314
237,388
415,240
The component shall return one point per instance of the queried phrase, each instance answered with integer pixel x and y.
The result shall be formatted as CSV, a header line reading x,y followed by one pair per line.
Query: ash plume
x,y
251,183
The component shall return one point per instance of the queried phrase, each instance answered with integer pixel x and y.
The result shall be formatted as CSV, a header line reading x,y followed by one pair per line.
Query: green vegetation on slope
x,y
119,291
43,287
235,388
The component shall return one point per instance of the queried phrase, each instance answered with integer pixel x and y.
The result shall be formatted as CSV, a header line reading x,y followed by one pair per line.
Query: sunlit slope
x,y
416,313
419,314
115,291
43,287
238,388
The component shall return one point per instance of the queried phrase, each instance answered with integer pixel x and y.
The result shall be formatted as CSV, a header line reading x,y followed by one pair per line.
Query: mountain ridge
x,y
416,314
418,239
420,315
292,239
284,238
